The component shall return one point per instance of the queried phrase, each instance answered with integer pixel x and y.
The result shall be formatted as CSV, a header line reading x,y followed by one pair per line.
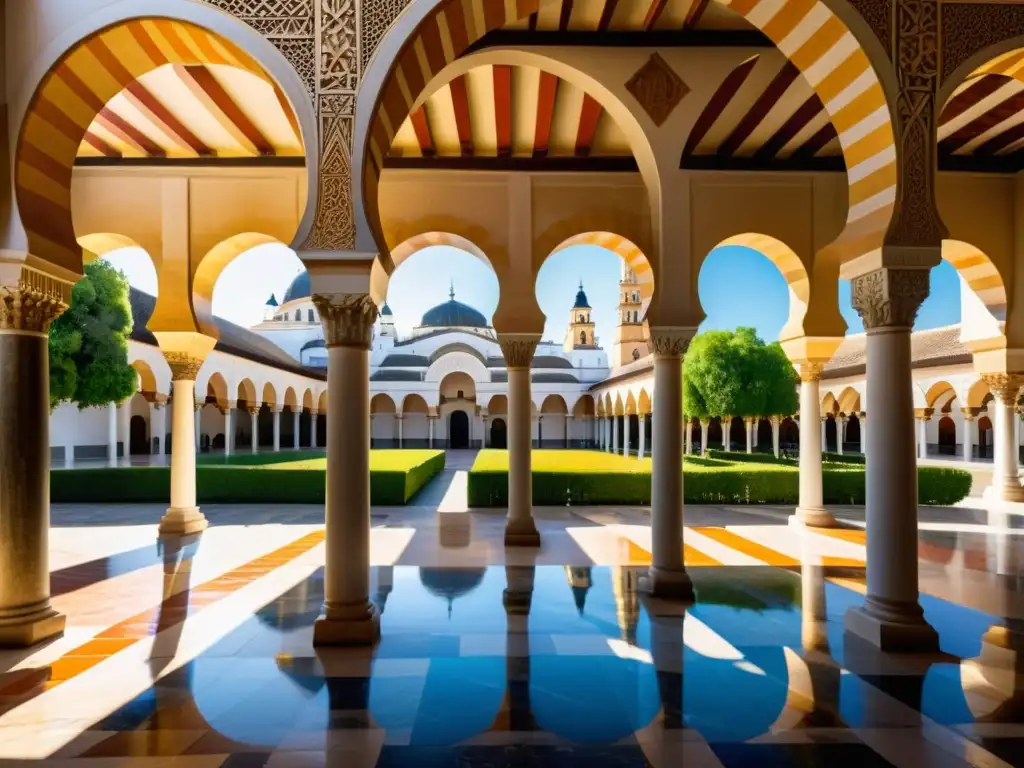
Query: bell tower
x,y
580,333
630,334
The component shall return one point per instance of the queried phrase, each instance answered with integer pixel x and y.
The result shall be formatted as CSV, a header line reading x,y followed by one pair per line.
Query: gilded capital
x,y
347,318
924,414
518,353
184,367
1004,386
671,342
811,371
889,298
34,302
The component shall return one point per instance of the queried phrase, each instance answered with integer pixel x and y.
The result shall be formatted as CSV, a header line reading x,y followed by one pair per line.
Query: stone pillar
x,y
775,435
296,427
726,422
520,529
183,516
276,410
197,431
667,576
254,420
111,434
615,434
313,413
349,616
840,432
754,429
969,414
430,429
923,416
605,431
398,419
643,430
704,424
811,509
748,424
29,302
1006,466
862,417
891,617
229,427
625,435
824,433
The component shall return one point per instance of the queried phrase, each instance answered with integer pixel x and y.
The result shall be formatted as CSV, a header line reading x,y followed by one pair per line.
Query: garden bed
x,y
593,477
395,477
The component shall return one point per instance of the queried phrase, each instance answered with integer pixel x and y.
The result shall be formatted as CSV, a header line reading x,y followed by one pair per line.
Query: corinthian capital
x,y
889,298
518,350
811,371
347,318
33,301
671,342
184,367
1004,386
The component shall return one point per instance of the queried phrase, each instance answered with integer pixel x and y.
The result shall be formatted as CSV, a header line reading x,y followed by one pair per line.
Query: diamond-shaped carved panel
x,y
657,88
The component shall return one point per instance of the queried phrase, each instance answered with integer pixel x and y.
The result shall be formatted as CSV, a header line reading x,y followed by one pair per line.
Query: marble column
x,y
726,423
520,528
748,425
923,416
840,433
615,434
605,432
313,418
276,410
399,420
254,421
641,449
891,617
229,427
862,417
183,516
112,434
704,424
625,435
197,431
31,304
296,427
811,508
824,433
667,576
969,414
776,425
349,615
1006,466
430,429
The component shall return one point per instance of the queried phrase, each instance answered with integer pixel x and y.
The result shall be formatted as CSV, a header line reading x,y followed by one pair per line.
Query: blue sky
x,y
737,287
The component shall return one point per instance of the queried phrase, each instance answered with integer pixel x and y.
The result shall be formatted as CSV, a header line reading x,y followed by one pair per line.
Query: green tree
x,y
728,373
89,343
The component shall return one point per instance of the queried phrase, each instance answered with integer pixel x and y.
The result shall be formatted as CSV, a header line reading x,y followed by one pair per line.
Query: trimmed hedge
x,y
234,484
843,458
708,480
259,459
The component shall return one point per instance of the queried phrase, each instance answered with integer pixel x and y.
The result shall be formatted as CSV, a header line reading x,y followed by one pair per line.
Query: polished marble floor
x,y
198,652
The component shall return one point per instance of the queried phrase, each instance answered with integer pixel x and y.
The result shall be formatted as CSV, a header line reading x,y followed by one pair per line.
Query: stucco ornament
x,y
184,367
811,371
889,298
1005,387
671,342
347,318
518,353
917,56
33,303
657,88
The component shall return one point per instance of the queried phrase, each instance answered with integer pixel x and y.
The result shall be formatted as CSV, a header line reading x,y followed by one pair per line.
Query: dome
x,y
453,313
299,288
581,299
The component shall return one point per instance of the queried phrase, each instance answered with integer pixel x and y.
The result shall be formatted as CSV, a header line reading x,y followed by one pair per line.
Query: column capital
x,y
253,410
810,371
198,405
862,416
671,341
347,318
518,349
1004,386
184,352
924,414
30,299
184,367
889,297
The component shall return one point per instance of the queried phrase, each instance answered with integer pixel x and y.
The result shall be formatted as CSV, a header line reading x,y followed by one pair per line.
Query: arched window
x,y
309,315
583,337
298,315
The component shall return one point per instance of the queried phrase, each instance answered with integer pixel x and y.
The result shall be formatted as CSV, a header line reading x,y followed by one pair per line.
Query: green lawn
x,y
563,477
395,477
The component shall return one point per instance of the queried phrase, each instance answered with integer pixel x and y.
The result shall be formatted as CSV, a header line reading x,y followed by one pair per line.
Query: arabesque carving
x,y
671,342
184,367
811,371
34,303
969,28
889,298
347,318
518,353
1005,387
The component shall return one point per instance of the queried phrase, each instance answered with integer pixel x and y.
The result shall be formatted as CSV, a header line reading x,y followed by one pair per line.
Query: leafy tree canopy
x,y
728,373
89,343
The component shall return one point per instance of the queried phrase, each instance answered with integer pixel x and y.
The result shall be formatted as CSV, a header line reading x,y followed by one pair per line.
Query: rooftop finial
x,y
451,291
581,283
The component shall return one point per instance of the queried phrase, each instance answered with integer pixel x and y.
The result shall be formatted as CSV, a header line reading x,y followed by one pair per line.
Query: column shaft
x,y
183,515
641,448
625,435
726,422
26,616
277,429
111,434
668,577
254,435
811,510
296,427
968,437
775,436
840,430
197,431
1006,475
615,434
520,529
313,419
229,430
704,437
922,438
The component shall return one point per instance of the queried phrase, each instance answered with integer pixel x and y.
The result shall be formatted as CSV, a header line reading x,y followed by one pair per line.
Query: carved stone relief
x,y
878,15
657,88
375,19
889,298
347,318
518,353
968,28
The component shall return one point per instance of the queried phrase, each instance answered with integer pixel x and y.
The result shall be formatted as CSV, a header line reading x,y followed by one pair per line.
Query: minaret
x,y
580,333
387,321
270,308
630,337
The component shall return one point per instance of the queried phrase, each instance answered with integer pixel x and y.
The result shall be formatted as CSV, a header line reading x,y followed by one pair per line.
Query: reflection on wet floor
x,y
571,666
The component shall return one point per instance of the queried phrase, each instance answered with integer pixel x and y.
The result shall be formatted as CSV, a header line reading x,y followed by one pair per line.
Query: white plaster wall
x,y
383,426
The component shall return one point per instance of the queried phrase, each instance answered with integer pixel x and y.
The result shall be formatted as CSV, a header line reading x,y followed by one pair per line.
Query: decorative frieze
x,y
518,353
34,302
347,318
889,298
1005,387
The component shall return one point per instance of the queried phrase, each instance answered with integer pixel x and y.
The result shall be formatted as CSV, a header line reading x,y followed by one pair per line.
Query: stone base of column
x,y
815,518
522,534
27,629
182,521
1003,492
892,627
348,625
670,585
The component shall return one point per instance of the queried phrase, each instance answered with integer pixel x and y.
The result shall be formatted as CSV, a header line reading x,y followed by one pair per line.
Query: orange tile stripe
x,y
748,547
170,612
637,555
